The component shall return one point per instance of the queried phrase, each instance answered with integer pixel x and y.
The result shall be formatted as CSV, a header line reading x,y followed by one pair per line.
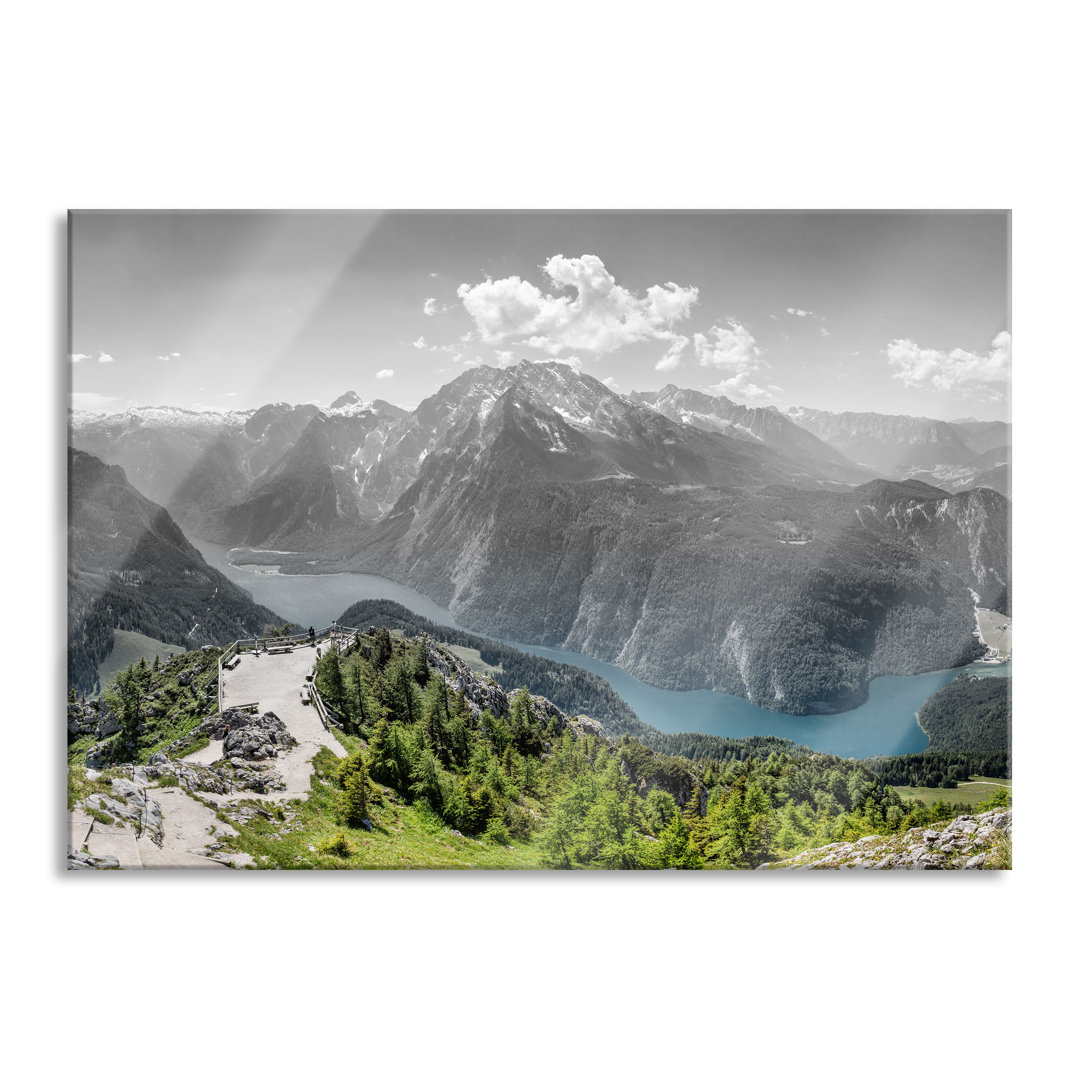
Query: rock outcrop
x,y
965,843
91,718
246,736
130,804
482,692
80,860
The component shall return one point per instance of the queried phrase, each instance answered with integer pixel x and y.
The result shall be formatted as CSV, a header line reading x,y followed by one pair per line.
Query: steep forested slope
x,y
130,567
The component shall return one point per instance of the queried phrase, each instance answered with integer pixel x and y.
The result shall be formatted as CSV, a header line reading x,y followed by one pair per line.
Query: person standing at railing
x,y
311,634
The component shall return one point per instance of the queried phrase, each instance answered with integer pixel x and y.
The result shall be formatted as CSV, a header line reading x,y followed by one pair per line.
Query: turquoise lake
x,y
884,724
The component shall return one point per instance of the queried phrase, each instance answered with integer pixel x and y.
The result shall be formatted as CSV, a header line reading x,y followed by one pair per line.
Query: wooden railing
x,y
344,637
320,707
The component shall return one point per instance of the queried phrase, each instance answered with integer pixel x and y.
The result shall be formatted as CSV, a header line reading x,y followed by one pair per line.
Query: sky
x,y
871,312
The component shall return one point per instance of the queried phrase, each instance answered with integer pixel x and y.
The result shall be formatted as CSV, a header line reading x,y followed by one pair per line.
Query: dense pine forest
x,y
580,800
971,714
933,769
572,689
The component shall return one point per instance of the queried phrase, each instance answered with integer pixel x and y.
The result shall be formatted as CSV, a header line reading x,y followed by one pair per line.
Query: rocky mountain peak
x,y
350,397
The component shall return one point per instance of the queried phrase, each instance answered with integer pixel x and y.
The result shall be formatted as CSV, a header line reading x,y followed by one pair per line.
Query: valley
x,y
592,540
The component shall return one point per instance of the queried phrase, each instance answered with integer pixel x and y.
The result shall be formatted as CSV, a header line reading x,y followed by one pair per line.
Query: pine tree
x,y
389,760
530,775
421,670
400,693
524,728
364,710
331,683
355,792
435,720
557,839
426,780
675,846
126,700
383,648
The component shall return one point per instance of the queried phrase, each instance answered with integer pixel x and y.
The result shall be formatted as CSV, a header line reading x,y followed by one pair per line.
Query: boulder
x,y
81,860
108,725
256,738
99,755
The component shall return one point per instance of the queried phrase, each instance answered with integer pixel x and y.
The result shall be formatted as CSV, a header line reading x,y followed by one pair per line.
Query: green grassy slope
x,y
129,647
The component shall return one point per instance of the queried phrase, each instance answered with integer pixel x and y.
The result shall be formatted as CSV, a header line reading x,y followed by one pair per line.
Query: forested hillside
x,y
572,689
970,714
532,777
130,567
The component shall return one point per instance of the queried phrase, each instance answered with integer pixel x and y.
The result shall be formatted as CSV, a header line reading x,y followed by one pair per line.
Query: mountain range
x,y
785,557
955,454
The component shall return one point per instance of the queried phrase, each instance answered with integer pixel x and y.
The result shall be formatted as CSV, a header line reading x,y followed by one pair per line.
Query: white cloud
x,y
802,313
175,355
673,357
78,357
454,350
610,382
433,307
741,386
728,348
732,351
105,358
601,317
386,373
504,356
433,274
937,370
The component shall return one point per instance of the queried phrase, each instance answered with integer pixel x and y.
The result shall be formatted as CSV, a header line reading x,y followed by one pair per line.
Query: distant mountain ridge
x,y
764,425
902,446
